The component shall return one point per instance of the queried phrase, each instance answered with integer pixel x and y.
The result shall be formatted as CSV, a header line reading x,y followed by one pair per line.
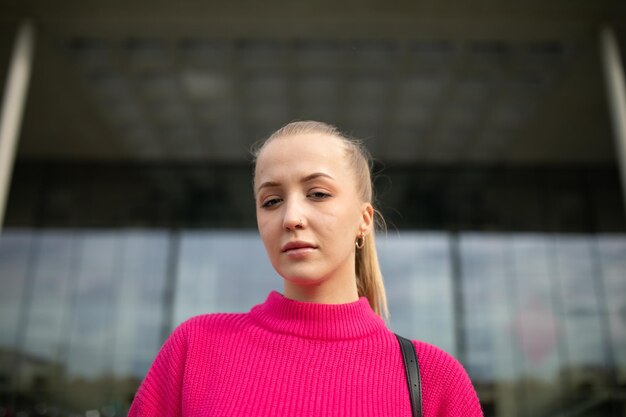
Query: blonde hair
x,y
369,278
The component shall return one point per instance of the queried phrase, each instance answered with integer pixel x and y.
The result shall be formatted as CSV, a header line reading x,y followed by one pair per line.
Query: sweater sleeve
x,y
160,392
446,388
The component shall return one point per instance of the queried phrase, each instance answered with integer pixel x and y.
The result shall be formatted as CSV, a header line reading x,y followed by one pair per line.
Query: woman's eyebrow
x,y
310,177
316,175
267,184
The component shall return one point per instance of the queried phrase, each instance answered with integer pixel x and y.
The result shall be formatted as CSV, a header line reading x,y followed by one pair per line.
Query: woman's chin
x,y
302,280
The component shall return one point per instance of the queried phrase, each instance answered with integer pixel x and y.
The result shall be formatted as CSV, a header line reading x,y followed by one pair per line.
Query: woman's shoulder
x,y
437,363
202,331
445,383
432,356
211,322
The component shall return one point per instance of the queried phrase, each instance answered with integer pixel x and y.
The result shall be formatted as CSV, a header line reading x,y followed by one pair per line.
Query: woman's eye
x,y
270,203
319,195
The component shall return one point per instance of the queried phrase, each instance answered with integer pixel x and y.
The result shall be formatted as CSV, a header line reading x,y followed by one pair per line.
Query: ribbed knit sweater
x,y
292,358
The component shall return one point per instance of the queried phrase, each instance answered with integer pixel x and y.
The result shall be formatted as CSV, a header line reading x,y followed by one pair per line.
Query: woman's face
x,y
308,210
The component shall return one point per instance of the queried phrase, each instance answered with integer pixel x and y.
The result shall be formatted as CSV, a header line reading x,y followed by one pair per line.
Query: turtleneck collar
x,y
317,321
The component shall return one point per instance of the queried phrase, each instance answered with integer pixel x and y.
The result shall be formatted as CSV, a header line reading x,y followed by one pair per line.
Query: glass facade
x,y
82,317
531,297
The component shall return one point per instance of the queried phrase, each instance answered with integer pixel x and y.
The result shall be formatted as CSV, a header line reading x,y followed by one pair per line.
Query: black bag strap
x,y
412,367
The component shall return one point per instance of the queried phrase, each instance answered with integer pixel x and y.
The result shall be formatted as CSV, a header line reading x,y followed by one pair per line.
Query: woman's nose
x,y
293,218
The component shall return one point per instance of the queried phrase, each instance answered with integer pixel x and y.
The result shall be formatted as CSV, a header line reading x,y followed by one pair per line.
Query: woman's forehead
x,y
301,147
302,153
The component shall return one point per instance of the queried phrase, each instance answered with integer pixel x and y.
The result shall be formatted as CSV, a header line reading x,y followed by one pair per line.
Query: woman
x,y
322,348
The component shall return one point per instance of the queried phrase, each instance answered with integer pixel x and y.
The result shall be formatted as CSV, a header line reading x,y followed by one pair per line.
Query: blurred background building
x,y
130,204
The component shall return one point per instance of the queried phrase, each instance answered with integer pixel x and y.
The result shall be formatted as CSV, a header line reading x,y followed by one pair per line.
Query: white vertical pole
x,y
13,106
616,92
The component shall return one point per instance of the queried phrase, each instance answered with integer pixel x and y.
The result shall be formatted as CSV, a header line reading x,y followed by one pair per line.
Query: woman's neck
x,y
326,292
321,321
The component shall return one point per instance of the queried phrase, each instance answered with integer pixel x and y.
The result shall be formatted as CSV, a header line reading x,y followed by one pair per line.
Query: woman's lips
x,y
298,249
299,252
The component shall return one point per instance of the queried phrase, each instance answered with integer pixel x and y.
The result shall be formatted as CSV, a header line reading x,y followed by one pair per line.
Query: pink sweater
x,y
290,358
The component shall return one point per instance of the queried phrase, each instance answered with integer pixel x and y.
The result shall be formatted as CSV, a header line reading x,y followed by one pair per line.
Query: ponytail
x,y
369,278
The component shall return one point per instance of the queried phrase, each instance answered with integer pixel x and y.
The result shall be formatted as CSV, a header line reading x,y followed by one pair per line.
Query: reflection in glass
x,y
418,281
536,333
488,314
611,251
91,316
221,271
585,342
16,248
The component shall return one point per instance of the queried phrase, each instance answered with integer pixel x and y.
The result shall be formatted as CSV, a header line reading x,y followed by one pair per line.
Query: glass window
x,y
214,267
16,248
91,315
612,257
418,282
577,277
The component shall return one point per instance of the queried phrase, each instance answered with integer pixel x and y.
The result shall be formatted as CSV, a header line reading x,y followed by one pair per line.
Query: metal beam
x,y
616,92
13,102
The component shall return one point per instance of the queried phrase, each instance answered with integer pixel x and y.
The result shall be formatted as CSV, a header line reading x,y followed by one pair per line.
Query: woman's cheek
x,y
262,219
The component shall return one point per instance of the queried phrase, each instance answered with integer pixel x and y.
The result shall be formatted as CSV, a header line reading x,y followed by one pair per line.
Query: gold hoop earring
x,y
360,241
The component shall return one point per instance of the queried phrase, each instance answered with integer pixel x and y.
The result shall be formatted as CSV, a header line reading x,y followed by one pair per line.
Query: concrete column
x,y
616,92
13,102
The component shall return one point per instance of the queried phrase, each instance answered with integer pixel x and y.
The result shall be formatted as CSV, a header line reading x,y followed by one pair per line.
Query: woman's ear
x,y
367,218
